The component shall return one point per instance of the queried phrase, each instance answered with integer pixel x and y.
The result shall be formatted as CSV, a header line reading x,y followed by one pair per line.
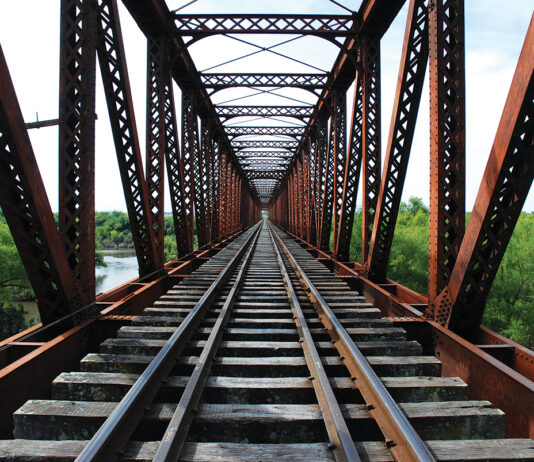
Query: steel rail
x,y
401,438
341,441
175,435
115,432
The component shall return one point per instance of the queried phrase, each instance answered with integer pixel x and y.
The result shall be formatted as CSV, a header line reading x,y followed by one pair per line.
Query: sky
x,y
29,36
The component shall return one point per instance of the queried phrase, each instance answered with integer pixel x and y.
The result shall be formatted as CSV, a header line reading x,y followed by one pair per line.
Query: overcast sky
x,y
29,36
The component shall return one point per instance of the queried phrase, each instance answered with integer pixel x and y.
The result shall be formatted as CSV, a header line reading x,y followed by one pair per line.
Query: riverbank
x,y
121,267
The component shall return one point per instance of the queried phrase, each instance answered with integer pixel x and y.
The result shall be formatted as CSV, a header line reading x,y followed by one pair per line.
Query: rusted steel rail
x,y
508,386
47,350
174,439
340,438
403,441
117,429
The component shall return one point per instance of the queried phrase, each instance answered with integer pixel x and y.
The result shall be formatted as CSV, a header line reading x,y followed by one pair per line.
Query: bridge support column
x,y
408,96
371,137
447,140
117,89
77,142
503,191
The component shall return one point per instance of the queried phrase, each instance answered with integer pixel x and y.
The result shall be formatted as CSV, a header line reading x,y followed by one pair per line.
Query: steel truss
x,y
307,169
328,26
296,112
293,132
312,82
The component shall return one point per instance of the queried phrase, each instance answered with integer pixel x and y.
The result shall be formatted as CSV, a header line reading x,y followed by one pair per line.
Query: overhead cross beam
x,y
267,144
297,112
304,81
294,132
328,26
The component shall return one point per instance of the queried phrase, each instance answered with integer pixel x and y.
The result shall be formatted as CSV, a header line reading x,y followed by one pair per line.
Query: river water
x,y
122,266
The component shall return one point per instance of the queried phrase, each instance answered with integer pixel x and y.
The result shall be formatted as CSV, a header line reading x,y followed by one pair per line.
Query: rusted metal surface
x,y
77,142
27,211
34,353
447,140
407,98
504,188
327,26
155,138
117,89
303,172
351,176
371,137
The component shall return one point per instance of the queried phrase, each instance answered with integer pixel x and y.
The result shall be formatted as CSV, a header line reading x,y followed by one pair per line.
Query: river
x,y
122,266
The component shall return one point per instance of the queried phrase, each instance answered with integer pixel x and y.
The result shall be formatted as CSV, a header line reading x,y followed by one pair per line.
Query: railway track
x,y
260,354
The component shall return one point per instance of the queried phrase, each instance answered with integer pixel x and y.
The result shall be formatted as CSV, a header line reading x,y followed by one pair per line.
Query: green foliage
x,y
112,230
408,262
510,305
13,279
12,320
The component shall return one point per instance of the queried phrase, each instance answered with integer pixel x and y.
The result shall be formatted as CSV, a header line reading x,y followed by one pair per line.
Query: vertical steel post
x,y
190,149
447,140
408,96
117,89
371,137
155,137
352,175
77,141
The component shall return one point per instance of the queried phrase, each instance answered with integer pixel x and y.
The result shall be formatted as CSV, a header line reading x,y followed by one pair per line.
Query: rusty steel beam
x,y
371,140
326,26
293,132
27,211
155,136
215,185
117,89
77,142
375,17
351,177
189,146
447,140
42,123
328,185
312,212
175,170
205,154
258,154
504,188
154,18
310,82
191,162
408,96
296,112
267,144
340,156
